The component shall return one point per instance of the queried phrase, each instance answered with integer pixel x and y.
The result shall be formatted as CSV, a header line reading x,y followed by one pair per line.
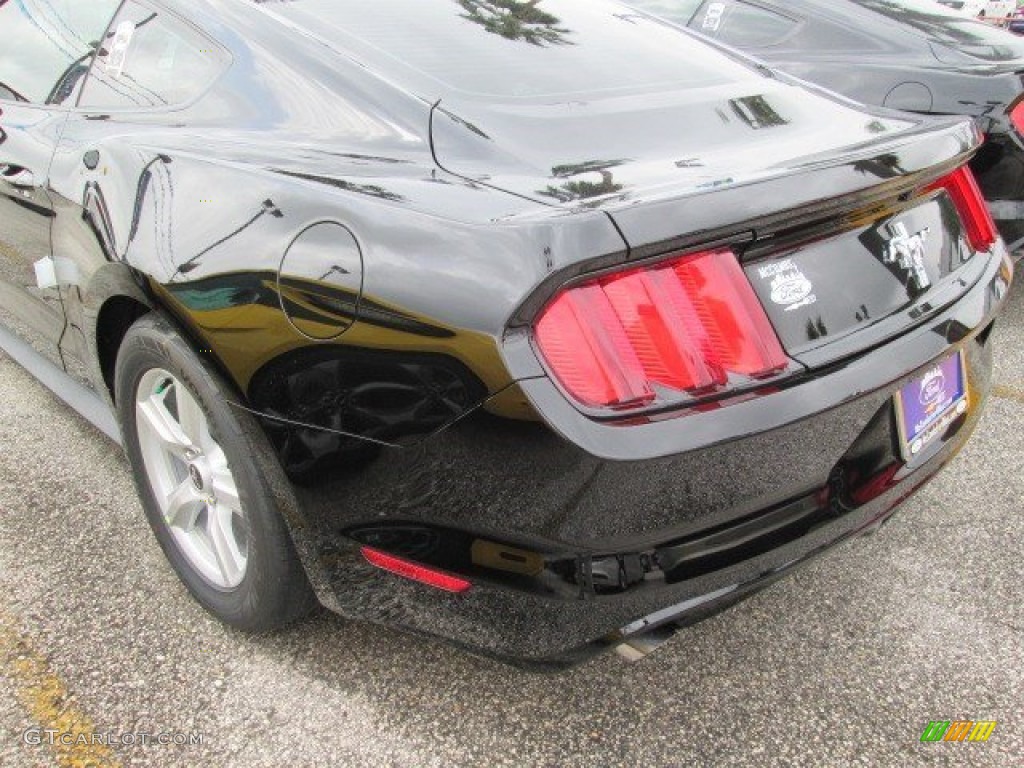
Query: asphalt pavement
x,y
844,663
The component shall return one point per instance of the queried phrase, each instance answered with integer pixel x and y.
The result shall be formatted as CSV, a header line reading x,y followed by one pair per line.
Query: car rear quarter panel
x,y
193,209
445,262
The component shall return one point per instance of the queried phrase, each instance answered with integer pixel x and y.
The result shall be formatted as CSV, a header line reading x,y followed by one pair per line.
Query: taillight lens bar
x,y
685,325
963,191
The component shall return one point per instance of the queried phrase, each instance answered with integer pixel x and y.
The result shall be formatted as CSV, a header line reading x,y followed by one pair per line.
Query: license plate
x,y
928,405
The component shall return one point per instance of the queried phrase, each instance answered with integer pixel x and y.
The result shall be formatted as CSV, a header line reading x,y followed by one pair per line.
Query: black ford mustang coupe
x,y
537,326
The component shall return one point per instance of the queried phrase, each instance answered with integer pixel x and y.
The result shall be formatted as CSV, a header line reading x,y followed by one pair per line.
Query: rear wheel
x,y
191,481
205,475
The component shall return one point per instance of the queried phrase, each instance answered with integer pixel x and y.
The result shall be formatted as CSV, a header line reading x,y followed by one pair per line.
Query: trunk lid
x,y
625,149
854,289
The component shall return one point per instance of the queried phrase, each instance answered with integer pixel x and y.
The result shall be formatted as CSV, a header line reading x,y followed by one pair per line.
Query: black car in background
x,y
1016,24
913,55
531,325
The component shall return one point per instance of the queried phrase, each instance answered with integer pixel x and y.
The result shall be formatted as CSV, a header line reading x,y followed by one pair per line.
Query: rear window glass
x,y
46,47
946,26
150,59
513,48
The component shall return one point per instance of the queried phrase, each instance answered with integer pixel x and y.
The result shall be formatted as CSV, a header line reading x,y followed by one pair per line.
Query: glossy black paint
x,y
27,136
902,55
362,251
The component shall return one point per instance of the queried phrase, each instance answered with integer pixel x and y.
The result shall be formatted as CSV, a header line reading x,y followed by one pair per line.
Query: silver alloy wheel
x,y
191,481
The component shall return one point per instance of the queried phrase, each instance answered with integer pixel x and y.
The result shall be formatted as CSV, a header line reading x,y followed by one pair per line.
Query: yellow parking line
x,y
1008,393
46,701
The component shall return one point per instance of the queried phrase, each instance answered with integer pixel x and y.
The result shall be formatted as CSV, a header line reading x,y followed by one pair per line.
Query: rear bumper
x,y
577,542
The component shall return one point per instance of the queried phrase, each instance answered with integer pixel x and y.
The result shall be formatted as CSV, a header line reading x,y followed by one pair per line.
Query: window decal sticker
x,y
713,17
118,52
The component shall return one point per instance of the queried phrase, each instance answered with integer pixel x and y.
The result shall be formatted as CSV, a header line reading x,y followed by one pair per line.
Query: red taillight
x,y
963,190
1017,117
415,571
683,325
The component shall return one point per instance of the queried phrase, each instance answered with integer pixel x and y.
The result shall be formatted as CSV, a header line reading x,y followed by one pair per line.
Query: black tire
x,y
274,589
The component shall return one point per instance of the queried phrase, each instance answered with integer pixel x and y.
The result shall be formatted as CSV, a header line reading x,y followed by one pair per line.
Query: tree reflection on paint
x,y
516,20
582,189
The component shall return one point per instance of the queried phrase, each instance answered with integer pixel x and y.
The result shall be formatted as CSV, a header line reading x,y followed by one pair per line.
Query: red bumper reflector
x,y
876,485
963,190
410,570
1017,117
684,324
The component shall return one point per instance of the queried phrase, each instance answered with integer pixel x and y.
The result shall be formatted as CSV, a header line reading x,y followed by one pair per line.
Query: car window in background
x,y
151,59
742,25
678,11
735,23
946,26
47,46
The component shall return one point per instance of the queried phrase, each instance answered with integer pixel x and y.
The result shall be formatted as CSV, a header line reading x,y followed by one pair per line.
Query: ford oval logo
x,y
791,290
197,477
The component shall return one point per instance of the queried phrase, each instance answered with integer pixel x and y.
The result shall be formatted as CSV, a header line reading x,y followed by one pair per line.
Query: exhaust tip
x,y
643,645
